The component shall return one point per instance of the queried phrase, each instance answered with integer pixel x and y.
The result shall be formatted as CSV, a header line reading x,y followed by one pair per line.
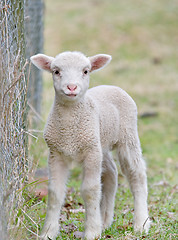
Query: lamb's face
x,y
70,75
70,72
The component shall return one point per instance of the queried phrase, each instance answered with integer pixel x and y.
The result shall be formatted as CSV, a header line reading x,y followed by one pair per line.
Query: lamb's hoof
x,y
142,227
107,222
92,235
47,237
49,234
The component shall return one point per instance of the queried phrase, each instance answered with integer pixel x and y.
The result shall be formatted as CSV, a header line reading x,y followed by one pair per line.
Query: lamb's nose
x,y
72,87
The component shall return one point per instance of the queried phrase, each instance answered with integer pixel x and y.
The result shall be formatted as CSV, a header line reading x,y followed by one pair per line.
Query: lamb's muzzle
x,y
72,87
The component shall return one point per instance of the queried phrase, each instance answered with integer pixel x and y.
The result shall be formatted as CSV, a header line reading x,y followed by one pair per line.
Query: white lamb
x,y
85,126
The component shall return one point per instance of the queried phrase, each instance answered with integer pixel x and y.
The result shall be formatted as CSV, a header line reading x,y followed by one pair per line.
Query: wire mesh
x,y
14,164
12,107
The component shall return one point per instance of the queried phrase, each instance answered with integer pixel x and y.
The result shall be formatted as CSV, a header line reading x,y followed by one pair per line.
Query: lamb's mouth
x,y
71,95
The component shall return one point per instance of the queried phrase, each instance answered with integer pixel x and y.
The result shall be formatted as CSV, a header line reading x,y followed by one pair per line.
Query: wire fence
x,y
19,33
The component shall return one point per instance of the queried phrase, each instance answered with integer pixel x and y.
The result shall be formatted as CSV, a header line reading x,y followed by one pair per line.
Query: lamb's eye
x,y
85,72
56,72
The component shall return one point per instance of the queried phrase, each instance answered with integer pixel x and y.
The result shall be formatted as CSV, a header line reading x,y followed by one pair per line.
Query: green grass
x,y
142,38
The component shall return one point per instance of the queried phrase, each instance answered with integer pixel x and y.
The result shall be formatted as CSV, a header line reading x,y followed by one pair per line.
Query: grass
x,y
142,38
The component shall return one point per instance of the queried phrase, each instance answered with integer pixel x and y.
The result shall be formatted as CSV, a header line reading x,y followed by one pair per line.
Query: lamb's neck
x,y
68,105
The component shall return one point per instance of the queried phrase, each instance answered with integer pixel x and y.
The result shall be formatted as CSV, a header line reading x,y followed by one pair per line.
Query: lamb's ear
x,y
42,61
99,61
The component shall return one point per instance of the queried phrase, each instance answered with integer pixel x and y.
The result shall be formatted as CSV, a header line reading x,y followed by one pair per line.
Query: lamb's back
x,y
117,112
111,95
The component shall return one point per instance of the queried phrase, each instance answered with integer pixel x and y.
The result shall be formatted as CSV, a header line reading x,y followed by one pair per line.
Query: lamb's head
x,y
70,72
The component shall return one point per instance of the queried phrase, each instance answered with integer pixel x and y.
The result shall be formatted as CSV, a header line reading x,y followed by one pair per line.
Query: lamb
x,y
85,125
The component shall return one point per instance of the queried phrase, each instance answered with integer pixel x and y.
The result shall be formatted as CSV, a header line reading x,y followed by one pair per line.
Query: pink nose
x,y
71,87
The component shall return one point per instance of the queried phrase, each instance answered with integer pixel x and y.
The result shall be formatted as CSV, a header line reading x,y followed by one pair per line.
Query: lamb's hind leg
x,y
109,188
133,167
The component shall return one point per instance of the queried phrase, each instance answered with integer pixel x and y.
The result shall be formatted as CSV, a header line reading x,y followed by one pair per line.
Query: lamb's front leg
x,y
58,172
91,192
